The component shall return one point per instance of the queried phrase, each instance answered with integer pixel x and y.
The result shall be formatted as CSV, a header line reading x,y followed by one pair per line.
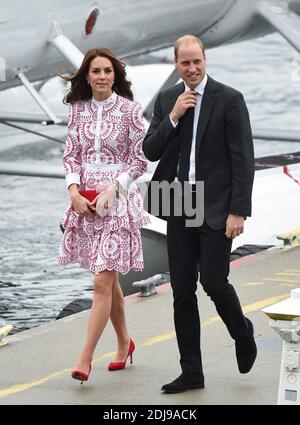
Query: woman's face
x,y
101,76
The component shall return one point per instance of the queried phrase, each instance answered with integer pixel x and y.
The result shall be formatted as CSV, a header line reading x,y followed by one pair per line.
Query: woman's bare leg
x,y
117,317
99,315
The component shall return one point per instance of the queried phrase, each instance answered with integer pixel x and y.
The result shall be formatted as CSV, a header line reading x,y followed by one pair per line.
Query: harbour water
x,y
33,287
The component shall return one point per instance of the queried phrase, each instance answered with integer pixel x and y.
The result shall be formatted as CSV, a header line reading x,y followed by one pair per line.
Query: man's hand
x,y
185,101
234,226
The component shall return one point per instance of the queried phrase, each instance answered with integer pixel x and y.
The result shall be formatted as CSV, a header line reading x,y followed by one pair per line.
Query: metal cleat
x,y
147,286
290,239
3,333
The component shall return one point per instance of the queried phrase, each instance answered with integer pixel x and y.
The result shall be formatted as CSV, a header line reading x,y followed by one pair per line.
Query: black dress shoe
x,y
246,350
182,384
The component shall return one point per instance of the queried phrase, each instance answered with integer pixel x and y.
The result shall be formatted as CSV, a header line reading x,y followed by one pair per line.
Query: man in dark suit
x,y
200,131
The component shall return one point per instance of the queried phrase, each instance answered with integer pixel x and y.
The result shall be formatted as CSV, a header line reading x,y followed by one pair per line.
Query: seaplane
x,y
39,40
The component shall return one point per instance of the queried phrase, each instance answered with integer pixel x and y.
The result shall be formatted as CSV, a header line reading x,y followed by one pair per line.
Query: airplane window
x,y
91,21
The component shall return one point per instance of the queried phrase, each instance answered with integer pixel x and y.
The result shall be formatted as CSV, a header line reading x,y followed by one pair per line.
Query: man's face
x,y
191,64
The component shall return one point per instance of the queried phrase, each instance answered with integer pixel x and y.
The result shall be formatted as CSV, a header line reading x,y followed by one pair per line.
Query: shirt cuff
x,y
125,180
72,178
173,123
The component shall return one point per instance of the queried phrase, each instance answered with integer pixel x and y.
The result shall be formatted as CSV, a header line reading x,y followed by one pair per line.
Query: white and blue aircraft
x,y
39,39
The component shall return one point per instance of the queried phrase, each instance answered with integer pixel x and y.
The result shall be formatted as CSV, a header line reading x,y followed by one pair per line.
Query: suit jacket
x,y
224,149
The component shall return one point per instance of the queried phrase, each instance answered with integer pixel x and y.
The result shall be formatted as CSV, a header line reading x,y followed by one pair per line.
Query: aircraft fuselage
x,y
126,27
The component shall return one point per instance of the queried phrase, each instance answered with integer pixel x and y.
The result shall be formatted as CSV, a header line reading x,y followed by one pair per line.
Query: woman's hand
x,y
81,205
103,203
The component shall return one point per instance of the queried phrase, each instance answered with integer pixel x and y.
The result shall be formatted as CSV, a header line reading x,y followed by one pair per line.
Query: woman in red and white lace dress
x,y
104,152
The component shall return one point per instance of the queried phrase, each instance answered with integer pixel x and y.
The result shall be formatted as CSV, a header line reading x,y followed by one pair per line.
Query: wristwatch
x,y
117,187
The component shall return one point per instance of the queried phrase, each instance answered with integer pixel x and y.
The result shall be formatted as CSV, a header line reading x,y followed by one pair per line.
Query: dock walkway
x,y
36,364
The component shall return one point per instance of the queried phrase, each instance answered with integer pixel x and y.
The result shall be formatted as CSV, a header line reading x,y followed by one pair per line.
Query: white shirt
x,y
200,90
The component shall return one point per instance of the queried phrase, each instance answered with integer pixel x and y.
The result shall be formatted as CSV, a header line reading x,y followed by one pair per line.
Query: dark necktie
x,y
186,132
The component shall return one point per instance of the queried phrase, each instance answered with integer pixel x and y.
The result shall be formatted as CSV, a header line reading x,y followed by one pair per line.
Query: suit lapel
x,y
208,101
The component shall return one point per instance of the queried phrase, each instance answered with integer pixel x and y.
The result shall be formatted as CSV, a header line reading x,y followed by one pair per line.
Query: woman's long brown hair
x,y
81,90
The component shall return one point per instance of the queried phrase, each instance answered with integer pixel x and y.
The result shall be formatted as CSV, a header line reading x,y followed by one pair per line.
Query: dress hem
x,y
98,270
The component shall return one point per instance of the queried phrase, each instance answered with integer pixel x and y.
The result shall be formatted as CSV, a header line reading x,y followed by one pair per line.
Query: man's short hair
x,y
187,39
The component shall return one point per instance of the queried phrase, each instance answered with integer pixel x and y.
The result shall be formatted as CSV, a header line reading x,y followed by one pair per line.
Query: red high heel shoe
x,y
81,376
121,365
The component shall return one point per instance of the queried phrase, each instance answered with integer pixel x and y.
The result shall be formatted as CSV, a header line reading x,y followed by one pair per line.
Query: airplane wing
x,y
282,17
30,117
282,135
29,170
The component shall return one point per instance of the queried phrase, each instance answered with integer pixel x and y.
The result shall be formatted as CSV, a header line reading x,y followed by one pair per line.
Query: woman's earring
x,y
88,82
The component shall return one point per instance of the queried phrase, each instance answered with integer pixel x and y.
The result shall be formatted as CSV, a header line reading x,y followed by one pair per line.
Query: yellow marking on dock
x,y
254,283
264,303
288,274
275,279
150,341
293,270
157,339
22,387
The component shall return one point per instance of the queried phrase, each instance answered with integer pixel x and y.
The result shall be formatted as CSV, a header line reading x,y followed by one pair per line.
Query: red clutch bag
x,y
90,195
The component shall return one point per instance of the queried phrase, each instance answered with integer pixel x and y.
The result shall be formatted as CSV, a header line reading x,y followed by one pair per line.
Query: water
x,y
34,288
